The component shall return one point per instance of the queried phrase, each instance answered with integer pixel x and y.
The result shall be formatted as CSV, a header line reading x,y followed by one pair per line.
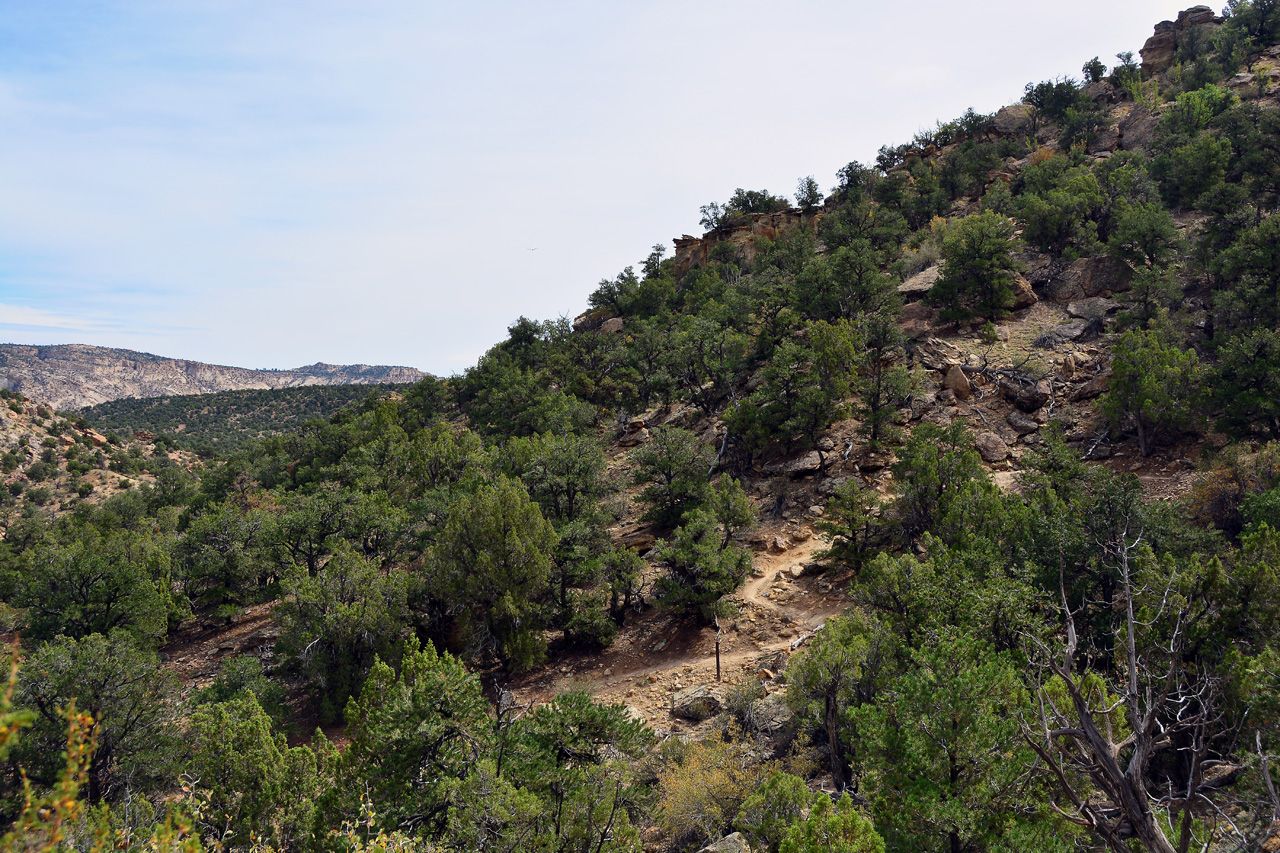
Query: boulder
x,y
1071,331
1157,53
631,439
1089,277
1026,395
1014,120
770,714
937,355
918,285
991,447
1023,295
641,540
1095,387
809,463
1093,308
1103,92
916,320
1137,129
613,324
957,382
1021,423
699,702
735,843
1104,141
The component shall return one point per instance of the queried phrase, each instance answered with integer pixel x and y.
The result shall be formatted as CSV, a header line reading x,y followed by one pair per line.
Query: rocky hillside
x,y
73,376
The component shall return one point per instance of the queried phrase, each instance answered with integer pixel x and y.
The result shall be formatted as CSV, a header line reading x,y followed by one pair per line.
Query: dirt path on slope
x,y
655,655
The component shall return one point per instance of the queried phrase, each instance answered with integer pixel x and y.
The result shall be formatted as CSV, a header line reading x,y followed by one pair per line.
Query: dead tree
x,y
1098,737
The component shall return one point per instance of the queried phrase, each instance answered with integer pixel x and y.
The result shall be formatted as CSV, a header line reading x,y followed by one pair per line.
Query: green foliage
x,y
1095,70
222,423
838,670
1144,235
702,567
808,194
1245,385
946,750
851,524
741,204
1190,171
1155,387
335,622
414,737
931,471
223,557
769,812
672,468
828,828
90,582
253,787
1060,205
243,675
977,272
845,284
1053,98
493,560
1250,273
134,705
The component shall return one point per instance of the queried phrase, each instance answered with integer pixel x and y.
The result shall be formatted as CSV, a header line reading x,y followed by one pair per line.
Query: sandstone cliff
x,y
73,376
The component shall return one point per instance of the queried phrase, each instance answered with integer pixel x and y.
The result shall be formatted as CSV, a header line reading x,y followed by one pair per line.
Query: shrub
x,y
705,787
1155,387
977,271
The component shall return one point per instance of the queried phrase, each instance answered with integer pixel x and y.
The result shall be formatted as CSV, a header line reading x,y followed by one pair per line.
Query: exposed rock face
x,y
695,251
73,376
698,702
1137,129
1027,396
735,843
1158,52
806,464
919,284
1089,277
991,447
1023,294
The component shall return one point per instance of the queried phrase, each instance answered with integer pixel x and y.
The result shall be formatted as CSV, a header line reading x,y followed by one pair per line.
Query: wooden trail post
x,y
717,649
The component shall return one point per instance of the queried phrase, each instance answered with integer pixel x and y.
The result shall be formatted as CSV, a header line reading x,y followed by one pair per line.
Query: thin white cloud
x,y
293,182
21,317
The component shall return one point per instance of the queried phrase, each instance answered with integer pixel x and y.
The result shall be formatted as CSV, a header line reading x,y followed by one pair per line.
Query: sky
x,y
272,184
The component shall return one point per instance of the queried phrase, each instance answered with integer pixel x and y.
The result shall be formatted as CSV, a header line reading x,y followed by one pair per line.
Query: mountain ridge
x,y
73,376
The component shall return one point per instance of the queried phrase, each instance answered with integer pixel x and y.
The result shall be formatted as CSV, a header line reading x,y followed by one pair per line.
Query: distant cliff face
x,y
72,376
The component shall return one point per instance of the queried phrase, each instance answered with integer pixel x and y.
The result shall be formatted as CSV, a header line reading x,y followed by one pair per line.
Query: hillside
x,y
939,511
223,422
72,376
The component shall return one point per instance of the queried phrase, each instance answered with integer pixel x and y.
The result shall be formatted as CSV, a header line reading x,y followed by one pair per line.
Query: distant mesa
x,y
72,376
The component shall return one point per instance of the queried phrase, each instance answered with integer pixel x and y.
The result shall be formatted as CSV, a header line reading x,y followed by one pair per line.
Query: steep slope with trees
x,y
1014,378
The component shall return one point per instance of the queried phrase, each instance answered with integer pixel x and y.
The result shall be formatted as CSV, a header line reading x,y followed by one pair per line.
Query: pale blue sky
x,y
274,183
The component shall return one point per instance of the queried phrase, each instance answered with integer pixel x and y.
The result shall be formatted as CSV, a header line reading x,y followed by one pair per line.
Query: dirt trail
x,y
655,656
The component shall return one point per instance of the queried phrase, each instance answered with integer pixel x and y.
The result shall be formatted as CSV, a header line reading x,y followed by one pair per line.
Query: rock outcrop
x,y
741,233
699,702
1159,51
73,376
735,843
1089,277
